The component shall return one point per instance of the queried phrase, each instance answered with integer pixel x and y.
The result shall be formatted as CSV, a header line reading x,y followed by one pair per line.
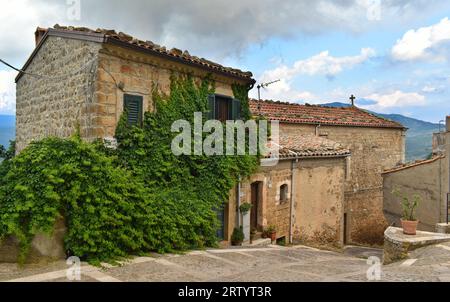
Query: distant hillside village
x,y
327,188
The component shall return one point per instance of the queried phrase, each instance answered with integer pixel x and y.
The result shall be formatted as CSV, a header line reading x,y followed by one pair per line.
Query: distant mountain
x,y
7,129
418,137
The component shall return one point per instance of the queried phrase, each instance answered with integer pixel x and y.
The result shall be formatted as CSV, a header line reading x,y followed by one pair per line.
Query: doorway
x,y
220,233
256,204
345,229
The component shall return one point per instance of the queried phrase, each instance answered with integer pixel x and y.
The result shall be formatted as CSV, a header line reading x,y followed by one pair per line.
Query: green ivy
x,y
136,199
241,93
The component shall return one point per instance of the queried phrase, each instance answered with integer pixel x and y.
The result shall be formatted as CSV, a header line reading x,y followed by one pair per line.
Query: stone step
x,y
259,243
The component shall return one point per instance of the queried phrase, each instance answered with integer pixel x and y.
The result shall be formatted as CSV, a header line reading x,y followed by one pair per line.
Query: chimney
x,y
40,32
447,123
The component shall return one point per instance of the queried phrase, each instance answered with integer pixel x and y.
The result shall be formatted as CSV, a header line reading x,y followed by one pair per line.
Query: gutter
x,y
238,202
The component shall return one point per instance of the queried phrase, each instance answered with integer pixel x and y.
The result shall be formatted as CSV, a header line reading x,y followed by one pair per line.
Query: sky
x,y
393,55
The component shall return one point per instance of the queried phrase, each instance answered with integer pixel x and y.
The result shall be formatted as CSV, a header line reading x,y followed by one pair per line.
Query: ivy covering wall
x,y
136,199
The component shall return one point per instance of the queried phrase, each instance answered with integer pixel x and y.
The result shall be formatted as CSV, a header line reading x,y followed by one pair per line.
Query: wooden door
x,y
255,205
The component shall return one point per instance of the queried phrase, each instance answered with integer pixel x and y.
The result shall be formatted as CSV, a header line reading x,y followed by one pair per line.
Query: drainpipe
x,y
291,220
238,202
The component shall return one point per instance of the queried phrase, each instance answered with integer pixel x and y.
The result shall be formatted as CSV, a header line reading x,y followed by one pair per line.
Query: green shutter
x,y
133,106
211,107
236,109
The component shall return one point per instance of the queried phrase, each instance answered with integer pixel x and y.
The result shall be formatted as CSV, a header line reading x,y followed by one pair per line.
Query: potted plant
x,y
237,237
245,208
409,206
271,232
253,233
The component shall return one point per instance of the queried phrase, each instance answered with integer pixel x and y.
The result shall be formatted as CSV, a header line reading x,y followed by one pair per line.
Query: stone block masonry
x,y
373,150
61,99
83,84
397,245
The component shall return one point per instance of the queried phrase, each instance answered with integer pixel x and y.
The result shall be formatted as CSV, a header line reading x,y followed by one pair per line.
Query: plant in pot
x,y
271,232
237,237
245,208
409,206
253,233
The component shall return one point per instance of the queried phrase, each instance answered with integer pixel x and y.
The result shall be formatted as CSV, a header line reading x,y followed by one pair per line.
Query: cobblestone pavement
x,y
272,263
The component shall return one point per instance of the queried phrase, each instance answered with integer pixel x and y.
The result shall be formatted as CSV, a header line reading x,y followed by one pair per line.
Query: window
x,y
283,193
223,108
132,105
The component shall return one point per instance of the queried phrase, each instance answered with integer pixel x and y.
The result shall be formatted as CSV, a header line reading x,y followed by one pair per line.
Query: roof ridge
x,y
297,104
288,112
378,116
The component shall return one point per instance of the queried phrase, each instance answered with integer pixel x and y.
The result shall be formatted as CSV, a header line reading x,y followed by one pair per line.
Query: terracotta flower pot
x,y
409,227
273,236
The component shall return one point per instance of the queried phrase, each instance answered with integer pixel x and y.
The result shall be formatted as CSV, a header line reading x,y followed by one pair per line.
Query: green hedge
x,y
132,200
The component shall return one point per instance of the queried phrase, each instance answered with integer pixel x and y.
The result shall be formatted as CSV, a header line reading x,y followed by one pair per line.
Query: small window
x,y
283,193
223,108
132,105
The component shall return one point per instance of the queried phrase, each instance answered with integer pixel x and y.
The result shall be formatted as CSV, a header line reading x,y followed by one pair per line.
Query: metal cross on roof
x,y
353,98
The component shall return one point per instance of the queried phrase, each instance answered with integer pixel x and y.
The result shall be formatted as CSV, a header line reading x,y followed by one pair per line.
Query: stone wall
x,y
373,150
43,247
91,97
272,211
54,104
397,246
425,179
315,202
139,74
319,202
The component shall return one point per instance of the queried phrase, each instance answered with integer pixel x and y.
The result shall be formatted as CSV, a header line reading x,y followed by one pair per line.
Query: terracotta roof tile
x,y
315,114
149,45
414,164
304,146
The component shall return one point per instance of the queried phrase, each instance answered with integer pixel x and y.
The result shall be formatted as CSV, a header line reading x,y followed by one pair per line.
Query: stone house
x,y
376,144
82,77
427,178
78,76
292,196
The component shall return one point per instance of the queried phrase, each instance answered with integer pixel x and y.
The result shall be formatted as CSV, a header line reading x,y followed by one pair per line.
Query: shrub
x,y
238,236
138,198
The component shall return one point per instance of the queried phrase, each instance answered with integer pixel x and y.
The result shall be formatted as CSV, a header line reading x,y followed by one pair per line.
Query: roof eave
x,y
103,38
312,156
340,124
113,41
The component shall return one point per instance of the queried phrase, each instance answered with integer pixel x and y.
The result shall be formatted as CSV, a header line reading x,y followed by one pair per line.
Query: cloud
x,y
396,99
19,21
215,28
283,91
432,89
320,64
365,102
7,92
423,43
